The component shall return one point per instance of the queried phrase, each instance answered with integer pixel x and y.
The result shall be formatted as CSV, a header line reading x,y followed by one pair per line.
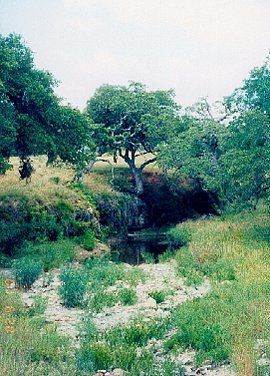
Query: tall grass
x,y
234,252
27,345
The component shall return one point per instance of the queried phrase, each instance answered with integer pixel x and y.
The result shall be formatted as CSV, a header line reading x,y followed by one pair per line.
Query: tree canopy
x,y
131,121
33,121
230,158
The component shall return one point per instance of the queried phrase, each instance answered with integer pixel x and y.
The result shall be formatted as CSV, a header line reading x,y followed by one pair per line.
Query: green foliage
x,y
27,344
137,332
148,257
88,240
39,306
24,220
127,296
221,270
101,299
5,262
55,179
177,237
50,347
103,273
195,152
189,267
52,254
26,271
159,296
130,120
32,120
198,329
94,356
166,256
245,178
73,287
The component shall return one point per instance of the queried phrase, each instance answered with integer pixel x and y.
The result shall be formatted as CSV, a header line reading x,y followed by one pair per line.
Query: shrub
x,y
148,257
166,256
127,296
94,356
137,332
177,237
104,273
220,270
39,306
159,296
52,254
5,261
202,327
88,240
26,271
101,299
73,287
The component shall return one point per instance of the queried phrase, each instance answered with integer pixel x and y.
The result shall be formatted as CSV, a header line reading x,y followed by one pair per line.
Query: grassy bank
x,y
232,323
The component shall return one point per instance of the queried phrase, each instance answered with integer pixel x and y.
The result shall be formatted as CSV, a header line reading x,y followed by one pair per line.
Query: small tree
x,y
130,122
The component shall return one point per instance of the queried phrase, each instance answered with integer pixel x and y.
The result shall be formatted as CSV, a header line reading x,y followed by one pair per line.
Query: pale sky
x,y
197,47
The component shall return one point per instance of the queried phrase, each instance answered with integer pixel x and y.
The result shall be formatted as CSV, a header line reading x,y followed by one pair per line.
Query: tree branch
x,y
146,163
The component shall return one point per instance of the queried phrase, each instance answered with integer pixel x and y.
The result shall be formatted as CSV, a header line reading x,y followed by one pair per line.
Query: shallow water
x,y
139,247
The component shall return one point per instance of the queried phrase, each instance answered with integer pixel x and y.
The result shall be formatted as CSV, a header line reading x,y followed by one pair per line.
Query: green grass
x,y
51,254
125,347
159,295
27,344
234,252
103,274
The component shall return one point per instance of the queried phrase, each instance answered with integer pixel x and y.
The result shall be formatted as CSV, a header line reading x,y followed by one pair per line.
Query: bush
x,y
103,273
52,254
127,296
177,237
101,299
202,327
148,257
26,272
50,347
73,287
159,296
39,306
88,240
94,356
5,261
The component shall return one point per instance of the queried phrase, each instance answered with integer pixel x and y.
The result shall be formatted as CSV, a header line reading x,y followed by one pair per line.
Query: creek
x,y
139,246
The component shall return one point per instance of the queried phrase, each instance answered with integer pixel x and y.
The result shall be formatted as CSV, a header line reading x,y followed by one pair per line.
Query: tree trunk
x,y
79,176
137,174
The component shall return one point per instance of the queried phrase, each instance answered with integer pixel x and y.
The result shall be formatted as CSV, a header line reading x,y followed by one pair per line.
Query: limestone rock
x,y
118,372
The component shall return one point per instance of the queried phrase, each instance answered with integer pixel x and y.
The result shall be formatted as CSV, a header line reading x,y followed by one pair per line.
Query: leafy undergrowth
x,y
101,283
29,346
46,218
125,347
227,325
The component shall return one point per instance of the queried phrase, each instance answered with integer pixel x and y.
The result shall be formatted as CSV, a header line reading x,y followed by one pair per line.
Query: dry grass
x,y
42,184
43,179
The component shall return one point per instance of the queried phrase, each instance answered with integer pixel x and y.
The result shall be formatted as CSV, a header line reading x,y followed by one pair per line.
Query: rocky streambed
x,y
160,276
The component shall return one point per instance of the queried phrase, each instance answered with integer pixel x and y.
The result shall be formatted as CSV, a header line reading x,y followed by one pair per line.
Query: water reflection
x,y
138,248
